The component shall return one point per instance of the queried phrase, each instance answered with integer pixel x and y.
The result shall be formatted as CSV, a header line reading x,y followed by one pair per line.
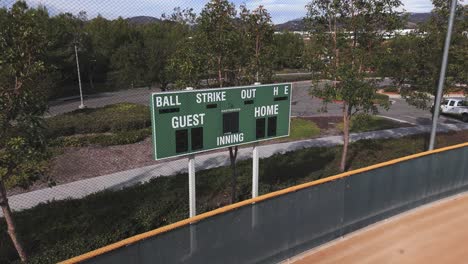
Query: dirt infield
x,y
437,233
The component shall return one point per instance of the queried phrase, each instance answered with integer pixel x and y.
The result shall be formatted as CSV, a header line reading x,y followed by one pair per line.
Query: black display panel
x,y
231,122
181,140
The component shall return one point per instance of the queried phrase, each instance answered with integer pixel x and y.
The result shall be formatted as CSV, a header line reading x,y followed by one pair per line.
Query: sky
x,y
281,10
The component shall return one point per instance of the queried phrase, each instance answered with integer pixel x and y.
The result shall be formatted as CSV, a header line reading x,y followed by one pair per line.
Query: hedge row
x,y
119,138
112,118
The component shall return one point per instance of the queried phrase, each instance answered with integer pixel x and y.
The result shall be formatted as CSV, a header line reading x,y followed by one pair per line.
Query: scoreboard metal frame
x,y
193,121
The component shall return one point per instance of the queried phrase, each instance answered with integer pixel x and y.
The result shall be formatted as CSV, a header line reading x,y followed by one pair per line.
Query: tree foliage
x,y
414,61
289,49
23,82
233,49
224,43
23,86
257,32
189,63
349,34
216,22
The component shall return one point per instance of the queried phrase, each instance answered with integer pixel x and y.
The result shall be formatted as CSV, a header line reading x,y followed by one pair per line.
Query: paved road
x,y
119,180
302,105
305,105
435,233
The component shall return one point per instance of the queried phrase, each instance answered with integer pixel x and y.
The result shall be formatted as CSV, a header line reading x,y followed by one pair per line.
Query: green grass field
x,y
302,129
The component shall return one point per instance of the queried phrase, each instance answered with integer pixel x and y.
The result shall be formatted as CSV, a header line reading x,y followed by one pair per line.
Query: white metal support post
x,y
254,183
192,193
255,166
255,171
81,106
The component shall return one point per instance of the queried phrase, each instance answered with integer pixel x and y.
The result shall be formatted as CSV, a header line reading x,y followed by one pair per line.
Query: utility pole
x,y
81,106
442,76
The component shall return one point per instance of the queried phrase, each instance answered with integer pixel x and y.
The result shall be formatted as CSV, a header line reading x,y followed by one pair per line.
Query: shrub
x,y
112,118
119,138
391,89
292,78
381,98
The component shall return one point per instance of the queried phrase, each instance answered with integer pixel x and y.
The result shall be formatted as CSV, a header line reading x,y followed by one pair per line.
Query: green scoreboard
x,y
193,121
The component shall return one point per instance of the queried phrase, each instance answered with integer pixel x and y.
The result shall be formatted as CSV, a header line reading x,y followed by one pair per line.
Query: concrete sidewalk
x,y
128,178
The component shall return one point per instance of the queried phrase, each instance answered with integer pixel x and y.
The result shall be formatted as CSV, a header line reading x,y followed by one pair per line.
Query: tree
x,y
65,31
129,62
184,17
349,34
23,83
288,48
128,57
105,37
189,63
312,59
160,43
257,28
216,22
420,56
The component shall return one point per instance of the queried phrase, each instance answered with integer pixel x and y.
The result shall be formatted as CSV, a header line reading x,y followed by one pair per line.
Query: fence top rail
x,y
167,228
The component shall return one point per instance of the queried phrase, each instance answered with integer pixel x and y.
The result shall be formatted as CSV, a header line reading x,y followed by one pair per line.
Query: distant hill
x,y
415,18
419,17
298,24
143,20
293,25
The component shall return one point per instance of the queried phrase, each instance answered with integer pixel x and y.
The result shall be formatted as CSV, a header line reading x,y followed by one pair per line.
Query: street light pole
x,y
442,76
81,106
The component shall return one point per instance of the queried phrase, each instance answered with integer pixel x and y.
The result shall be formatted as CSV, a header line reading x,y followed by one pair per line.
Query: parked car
x,y
456,107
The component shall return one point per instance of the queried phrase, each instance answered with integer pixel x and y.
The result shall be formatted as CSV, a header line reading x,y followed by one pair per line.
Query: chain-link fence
x,y
76,150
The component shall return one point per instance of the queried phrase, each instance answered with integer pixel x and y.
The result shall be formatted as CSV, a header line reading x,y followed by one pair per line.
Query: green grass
x,y
369,123
302,128
63,229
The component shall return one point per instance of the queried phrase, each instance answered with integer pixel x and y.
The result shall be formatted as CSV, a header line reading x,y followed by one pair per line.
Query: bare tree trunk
x,y
226,77
346,127
10,223
233,157
335,47
257,55
91,83
220,74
